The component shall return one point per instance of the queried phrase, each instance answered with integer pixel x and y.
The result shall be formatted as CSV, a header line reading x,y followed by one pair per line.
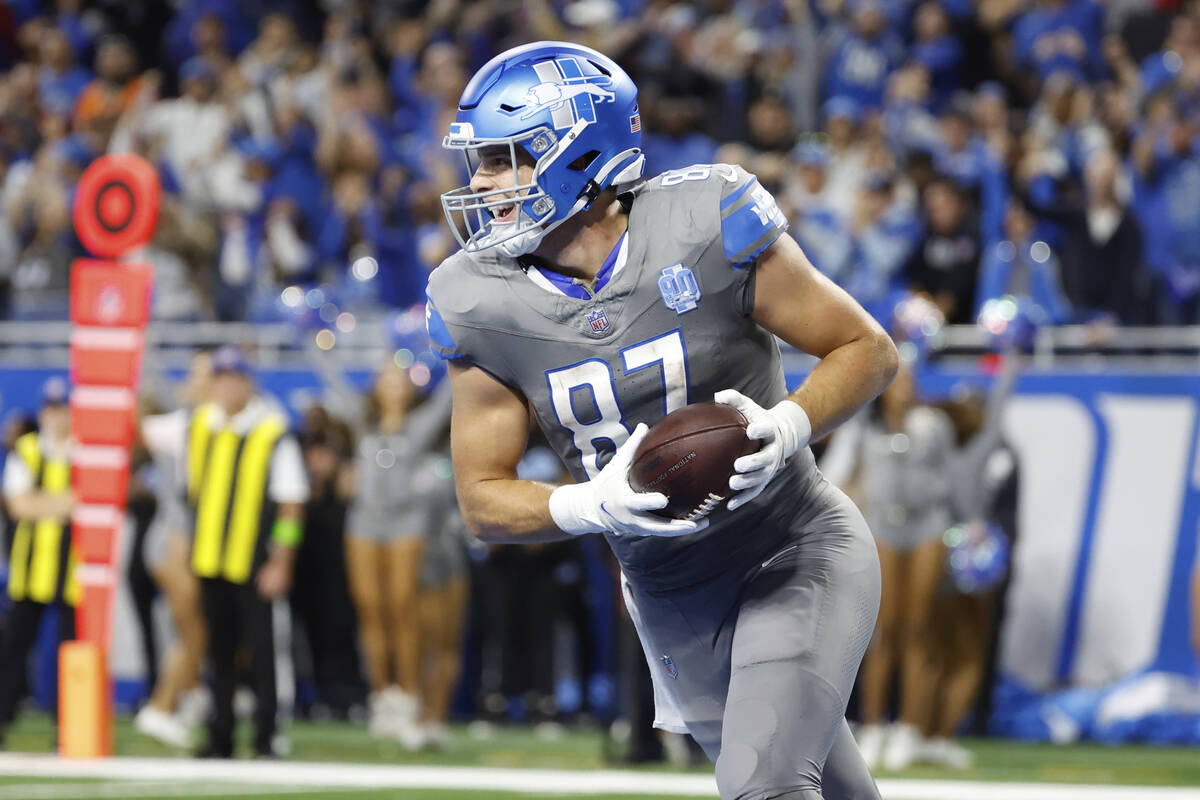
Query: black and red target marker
x,y
116,205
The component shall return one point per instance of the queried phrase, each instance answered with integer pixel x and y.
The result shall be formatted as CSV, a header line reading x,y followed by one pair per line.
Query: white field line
x,y
189,773
126,790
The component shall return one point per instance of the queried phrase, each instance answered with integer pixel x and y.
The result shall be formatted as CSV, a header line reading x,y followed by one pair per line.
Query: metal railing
x,y
1093,346
171,344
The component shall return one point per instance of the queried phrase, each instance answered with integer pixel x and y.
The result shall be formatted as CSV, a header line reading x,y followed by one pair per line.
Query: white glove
x,y
784,428
607,503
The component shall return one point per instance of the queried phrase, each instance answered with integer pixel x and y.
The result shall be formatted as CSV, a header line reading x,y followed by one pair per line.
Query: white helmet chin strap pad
x,y
527,242
632,171
522,243
628,166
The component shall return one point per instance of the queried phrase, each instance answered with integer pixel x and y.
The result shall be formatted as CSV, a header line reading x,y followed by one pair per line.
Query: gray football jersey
x,y
667,324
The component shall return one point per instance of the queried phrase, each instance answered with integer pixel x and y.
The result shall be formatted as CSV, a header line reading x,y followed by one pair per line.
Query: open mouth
x,y
502,214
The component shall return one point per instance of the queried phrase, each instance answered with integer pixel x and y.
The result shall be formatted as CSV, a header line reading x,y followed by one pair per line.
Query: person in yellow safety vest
x,y
246,490
37,491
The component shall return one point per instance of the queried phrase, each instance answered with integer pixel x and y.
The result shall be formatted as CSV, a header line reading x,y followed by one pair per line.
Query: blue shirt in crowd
x,y
1165,201
826,240
883,249
1062,37
859,68
1026,270
943,58
665,153
58,92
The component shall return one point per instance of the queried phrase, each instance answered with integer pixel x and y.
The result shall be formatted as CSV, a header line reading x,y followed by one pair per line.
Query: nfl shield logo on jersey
x,y
679,289
598,320
669,664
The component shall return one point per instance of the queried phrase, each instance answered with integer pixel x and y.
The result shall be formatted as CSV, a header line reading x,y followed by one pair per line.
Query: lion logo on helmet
x,y
550,96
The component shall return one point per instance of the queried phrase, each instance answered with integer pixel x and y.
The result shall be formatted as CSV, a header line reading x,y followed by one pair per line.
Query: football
x,y
688,456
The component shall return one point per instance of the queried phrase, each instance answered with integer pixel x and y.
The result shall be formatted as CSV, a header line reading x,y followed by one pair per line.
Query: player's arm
x,y
858,359
488,431
489,426
794,301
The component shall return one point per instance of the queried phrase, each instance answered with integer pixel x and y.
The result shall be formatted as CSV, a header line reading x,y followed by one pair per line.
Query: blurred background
x,y
1011,186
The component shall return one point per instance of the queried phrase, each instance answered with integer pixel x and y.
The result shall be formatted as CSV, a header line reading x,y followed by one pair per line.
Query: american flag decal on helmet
x,y
635,123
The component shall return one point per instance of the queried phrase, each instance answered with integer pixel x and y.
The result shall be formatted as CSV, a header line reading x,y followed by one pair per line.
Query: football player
x,y
600,301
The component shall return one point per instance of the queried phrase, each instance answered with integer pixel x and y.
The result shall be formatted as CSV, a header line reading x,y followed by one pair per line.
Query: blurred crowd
x,y
1045,148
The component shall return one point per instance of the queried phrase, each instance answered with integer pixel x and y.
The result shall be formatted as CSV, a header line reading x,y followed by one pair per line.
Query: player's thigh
x,y
687,649
813,605
802,628
846,776
780,722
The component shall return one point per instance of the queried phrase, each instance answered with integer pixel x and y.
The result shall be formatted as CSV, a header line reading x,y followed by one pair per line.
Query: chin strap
x,y
623,168
525,243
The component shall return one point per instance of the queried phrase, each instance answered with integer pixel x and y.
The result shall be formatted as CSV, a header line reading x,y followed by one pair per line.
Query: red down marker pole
x,y
116,208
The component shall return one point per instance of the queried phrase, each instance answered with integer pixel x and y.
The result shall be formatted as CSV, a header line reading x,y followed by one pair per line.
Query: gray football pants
x,y
763,687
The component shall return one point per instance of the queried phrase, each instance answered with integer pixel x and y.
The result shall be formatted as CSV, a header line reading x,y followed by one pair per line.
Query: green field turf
x,y
996,760
340,741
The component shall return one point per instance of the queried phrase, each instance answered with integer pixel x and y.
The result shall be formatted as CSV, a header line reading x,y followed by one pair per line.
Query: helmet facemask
x,y
511,217
472,215
569,108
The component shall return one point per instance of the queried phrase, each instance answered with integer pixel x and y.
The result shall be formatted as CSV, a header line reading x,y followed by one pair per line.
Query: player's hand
x,y
783,429
608,503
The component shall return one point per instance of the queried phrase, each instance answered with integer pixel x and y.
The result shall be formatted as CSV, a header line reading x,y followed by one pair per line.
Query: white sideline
x,y
295,774
129,790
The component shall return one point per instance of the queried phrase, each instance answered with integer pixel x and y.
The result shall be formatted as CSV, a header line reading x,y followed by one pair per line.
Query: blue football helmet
x,y
571,110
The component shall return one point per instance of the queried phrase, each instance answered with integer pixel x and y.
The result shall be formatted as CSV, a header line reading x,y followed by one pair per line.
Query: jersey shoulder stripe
x,y
723,201
750,221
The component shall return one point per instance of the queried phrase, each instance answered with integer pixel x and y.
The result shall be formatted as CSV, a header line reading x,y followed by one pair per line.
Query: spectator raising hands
x,y
291,145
